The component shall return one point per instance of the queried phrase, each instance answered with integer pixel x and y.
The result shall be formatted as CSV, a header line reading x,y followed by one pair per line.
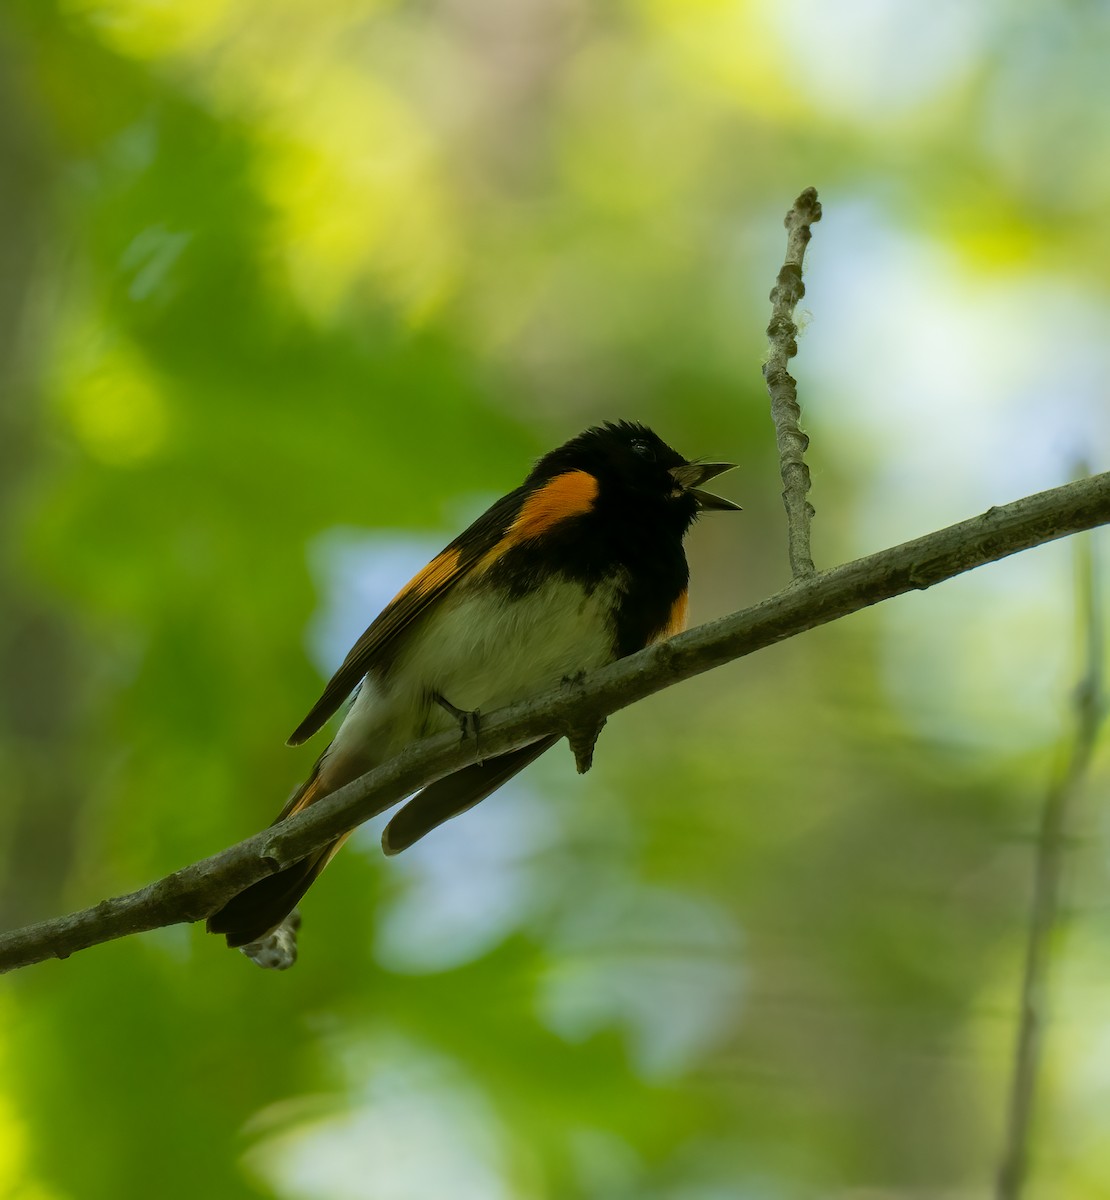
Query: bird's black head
x,y
634,466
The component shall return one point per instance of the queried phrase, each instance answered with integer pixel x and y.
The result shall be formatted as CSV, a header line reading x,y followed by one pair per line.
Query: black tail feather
x,y
260,908
251,914
456,793
255,911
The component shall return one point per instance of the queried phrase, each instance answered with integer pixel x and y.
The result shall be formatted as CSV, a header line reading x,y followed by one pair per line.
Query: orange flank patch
x,y
676,622
571,494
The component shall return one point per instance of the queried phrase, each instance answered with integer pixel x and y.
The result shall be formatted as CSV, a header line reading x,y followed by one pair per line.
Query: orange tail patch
x,y
306,794
253,913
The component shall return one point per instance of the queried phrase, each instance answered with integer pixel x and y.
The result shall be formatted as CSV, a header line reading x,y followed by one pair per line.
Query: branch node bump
x,y
271,856
582,734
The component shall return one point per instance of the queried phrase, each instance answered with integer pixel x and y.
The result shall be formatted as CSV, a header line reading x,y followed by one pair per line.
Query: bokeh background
x,y
289,291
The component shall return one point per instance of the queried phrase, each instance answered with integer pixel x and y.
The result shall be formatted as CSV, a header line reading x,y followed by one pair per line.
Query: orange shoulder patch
x,y
568,495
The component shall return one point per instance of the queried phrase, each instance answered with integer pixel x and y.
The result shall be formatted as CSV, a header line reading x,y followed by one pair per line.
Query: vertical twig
x,y
1048,870
782,387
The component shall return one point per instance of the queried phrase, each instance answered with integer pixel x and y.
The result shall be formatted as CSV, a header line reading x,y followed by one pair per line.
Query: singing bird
x,y
579,566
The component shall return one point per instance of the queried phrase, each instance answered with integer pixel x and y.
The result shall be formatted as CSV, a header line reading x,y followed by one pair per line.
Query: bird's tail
x,y
261,920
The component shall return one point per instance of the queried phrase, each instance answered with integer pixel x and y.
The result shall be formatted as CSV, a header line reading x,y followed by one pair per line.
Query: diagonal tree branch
x,y
196,890
783,388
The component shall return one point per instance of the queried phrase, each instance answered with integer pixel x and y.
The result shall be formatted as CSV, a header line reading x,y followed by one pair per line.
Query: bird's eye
x,y
643,450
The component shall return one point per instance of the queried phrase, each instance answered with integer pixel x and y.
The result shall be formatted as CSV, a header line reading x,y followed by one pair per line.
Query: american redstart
x,y
580,565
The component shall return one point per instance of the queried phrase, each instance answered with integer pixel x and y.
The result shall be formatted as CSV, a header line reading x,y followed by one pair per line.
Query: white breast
x,y
479,652
482,657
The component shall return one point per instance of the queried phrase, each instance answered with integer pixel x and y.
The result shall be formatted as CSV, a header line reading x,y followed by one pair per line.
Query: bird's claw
x,y
470,723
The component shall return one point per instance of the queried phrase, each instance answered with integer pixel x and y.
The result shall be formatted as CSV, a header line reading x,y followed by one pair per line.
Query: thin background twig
x,y
193,892
782,334
1069,776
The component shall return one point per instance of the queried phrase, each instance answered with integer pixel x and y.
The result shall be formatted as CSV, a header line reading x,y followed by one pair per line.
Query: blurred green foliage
x,y
277,270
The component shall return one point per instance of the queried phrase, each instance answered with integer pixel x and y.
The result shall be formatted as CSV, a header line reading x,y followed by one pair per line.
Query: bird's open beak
x,y
689,475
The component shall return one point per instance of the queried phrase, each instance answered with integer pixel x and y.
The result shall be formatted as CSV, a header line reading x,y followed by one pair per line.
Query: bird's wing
x,y
429,585
519,517
456,793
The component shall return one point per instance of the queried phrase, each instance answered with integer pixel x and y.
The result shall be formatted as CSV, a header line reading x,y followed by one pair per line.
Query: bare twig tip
x,y
807,207
782,334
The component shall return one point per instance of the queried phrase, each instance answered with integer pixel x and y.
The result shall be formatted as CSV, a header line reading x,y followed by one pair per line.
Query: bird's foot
x,y
470,723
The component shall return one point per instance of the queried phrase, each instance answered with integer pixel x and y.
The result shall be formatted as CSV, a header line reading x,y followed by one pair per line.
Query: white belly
x,y
476,657
528,645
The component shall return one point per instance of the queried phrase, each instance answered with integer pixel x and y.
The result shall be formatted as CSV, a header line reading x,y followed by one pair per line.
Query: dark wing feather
x,y
437,578
456,793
